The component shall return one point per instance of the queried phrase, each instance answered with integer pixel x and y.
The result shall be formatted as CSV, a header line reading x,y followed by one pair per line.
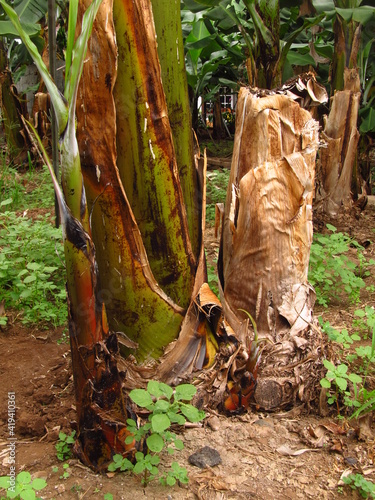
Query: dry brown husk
x,y
338,156
266,238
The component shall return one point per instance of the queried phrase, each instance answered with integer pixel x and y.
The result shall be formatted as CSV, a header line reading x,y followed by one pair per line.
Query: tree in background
x,y
338,160
12,107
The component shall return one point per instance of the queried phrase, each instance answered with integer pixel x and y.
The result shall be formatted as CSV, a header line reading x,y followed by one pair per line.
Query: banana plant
x,y
212,60
134,256
348,18
30,13
101,411
340,180
266,42
133,212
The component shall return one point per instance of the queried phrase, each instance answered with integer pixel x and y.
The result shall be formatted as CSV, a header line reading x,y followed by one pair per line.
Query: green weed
x,y
66,472
31,190
337,379
64,339
222,148
357,482
65,468
23,487
31,269
39,189
332,272
64,445
11,189
167,406
217,183
340,336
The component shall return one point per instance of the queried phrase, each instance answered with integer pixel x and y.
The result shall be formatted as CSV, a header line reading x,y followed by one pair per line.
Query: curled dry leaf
x,y
285,450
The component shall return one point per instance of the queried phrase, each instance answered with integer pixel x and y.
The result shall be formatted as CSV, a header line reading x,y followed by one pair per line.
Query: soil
x,y
289,455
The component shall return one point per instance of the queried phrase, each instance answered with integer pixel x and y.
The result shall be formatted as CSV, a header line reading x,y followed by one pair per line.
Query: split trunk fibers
x,y
266,238
339,156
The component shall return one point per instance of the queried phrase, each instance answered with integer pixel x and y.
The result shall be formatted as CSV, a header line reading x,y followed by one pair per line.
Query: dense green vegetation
x,y
32,270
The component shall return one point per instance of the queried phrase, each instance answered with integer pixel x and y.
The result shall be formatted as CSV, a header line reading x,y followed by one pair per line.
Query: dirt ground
x,y
291,455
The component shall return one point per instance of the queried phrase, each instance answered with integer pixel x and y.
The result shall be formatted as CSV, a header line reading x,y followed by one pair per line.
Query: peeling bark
x,y
338,157
266,239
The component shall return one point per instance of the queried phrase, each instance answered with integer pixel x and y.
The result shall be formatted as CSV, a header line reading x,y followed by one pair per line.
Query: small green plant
x,y
213,280
357,482
64,445
108,496
23,487
367,353
31,269
365,321
66,472
331,271
64,339
339,377
217,183
167,406
33,189
176,473
76,488
222,148
10,187
340,336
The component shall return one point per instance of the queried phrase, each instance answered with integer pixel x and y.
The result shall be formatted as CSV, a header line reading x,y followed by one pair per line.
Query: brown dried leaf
x,y
285,450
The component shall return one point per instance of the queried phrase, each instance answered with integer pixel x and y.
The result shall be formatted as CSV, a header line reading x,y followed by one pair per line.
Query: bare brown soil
x,y
291,455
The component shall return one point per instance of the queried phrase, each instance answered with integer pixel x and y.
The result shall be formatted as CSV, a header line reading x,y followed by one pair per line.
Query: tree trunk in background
x,y
266,239
337,169
306,8
263,68
218,123
347,44
16,136
337,159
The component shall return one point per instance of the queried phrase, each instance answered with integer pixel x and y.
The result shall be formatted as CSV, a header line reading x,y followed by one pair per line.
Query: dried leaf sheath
x,y
268,220
267,233
338,158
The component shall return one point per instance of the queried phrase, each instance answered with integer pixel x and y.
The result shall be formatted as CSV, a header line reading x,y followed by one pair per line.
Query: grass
x,y
31,190
32,269
332,271
217,183
221,149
